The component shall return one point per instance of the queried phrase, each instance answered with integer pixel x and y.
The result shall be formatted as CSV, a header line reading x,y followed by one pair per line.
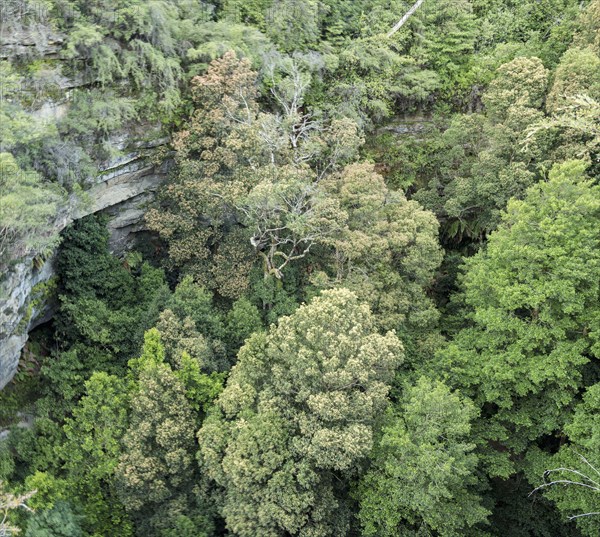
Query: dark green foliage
x,y
106,304
518,513
574,466
478,163
33,449
84,265
60,521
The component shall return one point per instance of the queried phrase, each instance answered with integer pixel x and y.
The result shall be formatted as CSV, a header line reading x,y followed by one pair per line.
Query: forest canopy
x,y
365,297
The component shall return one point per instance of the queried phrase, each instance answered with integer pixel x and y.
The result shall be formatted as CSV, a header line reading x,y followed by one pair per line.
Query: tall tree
x,y
423,468
387,253
297,419
155,475
214,154
532,299
91,453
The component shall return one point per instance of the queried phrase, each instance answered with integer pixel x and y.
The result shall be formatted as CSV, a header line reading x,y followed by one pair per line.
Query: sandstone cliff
x,y
122,187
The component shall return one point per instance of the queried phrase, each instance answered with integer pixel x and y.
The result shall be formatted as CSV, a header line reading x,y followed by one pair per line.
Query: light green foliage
x,y
589,26
49,490
371,76
192,324
93,434
388,252
91,452
423,468
449,32
134,42
216,38
377,75
271,204
532,299
17,125
579,124
129,57
153,351
155,475
296,419
97,112
577,74
28,207
521,82
241,322
252,11
201,389
532,26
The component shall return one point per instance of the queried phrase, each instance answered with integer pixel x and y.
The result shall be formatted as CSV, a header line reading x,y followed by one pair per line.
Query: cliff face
x,y
122,188
24,292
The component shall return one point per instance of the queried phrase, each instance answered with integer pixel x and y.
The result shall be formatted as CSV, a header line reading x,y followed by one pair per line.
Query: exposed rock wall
x,y
122,188
16,318
123,193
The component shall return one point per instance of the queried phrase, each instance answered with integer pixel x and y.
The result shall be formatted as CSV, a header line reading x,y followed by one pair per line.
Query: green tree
x,y
60,521
532,302
570,477
388,252
191,324
297,419
589,27
520,82
155,473
294,24
577,74
243,319
91,453
106,303
423,468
